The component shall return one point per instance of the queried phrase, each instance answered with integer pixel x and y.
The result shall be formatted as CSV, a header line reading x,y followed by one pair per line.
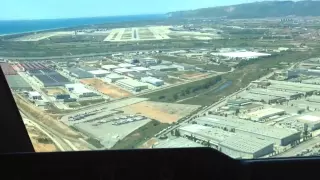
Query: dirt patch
x,y
54,91
40,142
106,88
163,112
149,144
194,76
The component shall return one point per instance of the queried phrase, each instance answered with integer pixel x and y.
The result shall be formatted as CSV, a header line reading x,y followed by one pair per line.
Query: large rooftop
x,y
209,133
242,54
245,144
265,130
177,143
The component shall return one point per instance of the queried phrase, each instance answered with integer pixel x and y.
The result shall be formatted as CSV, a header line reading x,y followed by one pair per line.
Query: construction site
x,y
105,88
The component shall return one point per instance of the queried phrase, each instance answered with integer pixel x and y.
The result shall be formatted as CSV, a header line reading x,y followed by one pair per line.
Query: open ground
x,y
105,88
163,112
54,91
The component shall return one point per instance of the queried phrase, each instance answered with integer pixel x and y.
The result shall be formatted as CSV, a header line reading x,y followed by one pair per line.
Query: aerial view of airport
x,y
248,87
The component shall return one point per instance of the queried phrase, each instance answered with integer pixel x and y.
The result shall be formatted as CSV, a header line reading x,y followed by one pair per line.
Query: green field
x,y
213,67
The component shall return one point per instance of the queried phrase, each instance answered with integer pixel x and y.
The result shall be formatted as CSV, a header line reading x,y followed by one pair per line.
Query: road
x,y
298,149
58,142
70,57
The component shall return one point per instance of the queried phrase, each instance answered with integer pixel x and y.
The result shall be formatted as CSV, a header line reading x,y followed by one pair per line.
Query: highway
x,y
69,57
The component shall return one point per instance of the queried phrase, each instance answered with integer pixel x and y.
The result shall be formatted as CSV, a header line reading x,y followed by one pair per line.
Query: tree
x,y
175,96
177,133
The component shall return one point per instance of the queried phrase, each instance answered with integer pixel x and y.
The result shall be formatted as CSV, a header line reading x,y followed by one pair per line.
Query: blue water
x,y
21,26
222,87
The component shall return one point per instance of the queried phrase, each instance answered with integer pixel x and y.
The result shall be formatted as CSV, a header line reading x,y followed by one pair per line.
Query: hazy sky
x,y
48,9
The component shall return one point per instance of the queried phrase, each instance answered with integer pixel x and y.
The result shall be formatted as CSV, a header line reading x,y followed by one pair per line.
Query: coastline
x,y
76,22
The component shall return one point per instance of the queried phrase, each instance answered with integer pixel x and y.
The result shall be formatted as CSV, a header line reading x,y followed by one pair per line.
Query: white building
x,y
241,55
99,73
132,85
113,78
153,81
263,114
34,95
123,70
80,90
140,69
126,65
109,67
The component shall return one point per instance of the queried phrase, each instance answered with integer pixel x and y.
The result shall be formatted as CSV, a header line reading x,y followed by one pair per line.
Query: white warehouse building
x,y
80,90
153,81
132,85
247,147
280,136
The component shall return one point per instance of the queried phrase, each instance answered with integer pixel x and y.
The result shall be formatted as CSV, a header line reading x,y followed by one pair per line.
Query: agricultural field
x,y
105,88
162,112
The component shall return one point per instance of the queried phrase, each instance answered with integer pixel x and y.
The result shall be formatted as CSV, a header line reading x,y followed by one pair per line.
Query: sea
x,y
24,26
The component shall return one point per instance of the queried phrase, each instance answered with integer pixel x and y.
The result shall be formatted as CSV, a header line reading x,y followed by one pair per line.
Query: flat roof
x,y
265,130
114,75
313,86
247,144
265,112
99,71
215,134
244,54
140,68
259,97
123,70
110,66
272,92
309,118
131,82
291,88
34,93
16,81
177,143
125,65
220,120
78,88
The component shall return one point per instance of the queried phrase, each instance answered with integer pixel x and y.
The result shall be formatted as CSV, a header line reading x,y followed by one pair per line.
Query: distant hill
x,y
255,10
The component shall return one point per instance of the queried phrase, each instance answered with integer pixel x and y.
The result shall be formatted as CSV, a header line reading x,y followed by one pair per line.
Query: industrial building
x,y
125,65
238,102
302,122
17,83
284,94
34,95
184,67
123,71
312,121
140,69
157,74
212,135
153,81
109,67
136,75
79,73
269,99
110,78
245,147
263,114
304,90
163,68
49,78
176,143
279,136
276,135
80,90
313,87
132,85
99,73
148,62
